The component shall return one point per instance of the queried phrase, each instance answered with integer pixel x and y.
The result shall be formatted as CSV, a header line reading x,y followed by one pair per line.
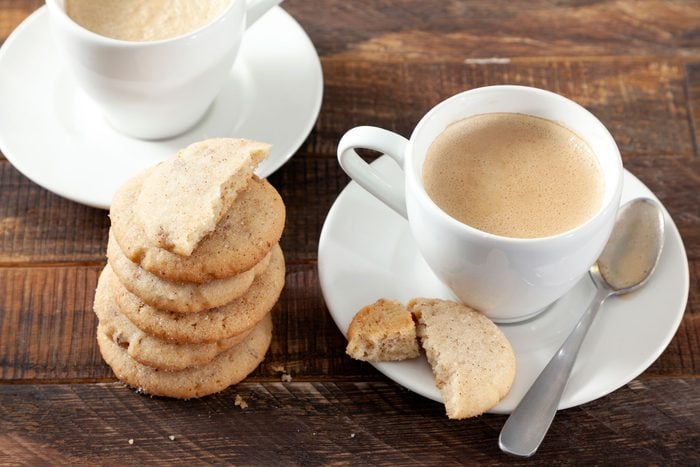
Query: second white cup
x,y
155,89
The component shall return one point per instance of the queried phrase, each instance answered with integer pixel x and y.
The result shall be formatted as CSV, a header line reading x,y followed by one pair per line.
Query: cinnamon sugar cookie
x,y
184,197
245,234
229,367
472,361
182,297
149,350
381,332
209,325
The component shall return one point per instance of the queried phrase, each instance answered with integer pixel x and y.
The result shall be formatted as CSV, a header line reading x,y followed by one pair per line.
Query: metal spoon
x,y
626,263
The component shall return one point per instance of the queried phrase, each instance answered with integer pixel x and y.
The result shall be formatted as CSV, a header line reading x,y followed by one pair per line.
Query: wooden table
x,y
635,64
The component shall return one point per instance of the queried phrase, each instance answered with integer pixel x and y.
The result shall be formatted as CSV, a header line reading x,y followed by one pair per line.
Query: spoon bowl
x,y
634,248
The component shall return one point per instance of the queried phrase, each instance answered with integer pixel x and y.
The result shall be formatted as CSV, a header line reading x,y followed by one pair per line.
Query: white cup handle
x,y
377,139
256,8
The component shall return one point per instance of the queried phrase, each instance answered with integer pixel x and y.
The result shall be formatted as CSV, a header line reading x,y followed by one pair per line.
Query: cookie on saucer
x,y
382,332
472,361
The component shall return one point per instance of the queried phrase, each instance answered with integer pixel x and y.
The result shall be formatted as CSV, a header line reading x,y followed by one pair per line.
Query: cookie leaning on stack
x,y
194,269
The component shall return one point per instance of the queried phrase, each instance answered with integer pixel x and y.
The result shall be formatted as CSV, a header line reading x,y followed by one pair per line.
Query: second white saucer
x,y
56,136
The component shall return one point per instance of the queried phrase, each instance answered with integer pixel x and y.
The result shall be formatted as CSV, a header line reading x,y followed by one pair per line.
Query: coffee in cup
x,y
513,175
138,20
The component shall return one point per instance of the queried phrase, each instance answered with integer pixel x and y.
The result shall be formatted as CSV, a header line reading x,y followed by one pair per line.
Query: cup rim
x,y
423,198
53,5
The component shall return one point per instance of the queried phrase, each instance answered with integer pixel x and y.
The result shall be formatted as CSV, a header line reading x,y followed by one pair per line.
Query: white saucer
x,y
55,135
366,252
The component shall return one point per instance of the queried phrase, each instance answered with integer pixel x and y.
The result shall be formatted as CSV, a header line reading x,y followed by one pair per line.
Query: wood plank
x,y
457,30
682,356
625,96
650,421
306,340
308,186
47,327
39,226
693,83
454,30
641,102
47,330
627,100
675,181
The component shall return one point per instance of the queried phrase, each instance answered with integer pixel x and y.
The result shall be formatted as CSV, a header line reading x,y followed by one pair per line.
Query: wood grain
x,y
675,181
47,326
630,98
308,186
37,226
323,423
693,83
455,30
47,330
634,63
641,102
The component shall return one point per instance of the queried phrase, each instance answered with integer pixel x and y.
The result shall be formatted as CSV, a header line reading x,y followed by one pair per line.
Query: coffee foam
x,y
513,175
138,20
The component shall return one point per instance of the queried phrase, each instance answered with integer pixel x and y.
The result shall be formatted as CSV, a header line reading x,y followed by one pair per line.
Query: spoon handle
x,y
528,423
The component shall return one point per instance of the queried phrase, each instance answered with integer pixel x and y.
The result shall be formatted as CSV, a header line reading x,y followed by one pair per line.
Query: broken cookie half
x,y
382,332
471,359
184,198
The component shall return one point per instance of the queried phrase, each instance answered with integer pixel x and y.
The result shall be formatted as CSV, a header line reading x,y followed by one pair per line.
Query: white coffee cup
x,y
508,279
155,89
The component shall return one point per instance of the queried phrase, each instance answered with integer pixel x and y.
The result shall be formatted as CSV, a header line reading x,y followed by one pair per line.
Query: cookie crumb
x,y
240,402
286,378
131,440
172,437
277,368
352,435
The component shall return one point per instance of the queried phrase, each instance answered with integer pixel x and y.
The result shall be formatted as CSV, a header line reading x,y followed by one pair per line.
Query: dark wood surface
x,y
635,64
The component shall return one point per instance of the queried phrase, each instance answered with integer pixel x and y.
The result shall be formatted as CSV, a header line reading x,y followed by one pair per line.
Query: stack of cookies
x,y
194,269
